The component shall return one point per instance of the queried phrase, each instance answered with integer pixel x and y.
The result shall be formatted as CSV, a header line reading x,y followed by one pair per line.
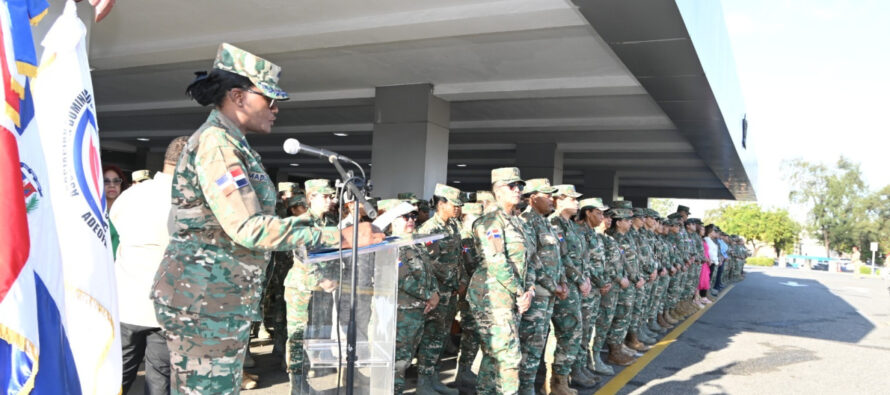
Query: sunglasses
x,y
516,185
410,217
113,181
269,100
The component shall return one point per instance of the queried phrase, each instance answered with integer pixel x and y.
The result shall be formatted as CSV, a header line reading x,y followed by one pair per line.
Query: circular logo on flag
x,y
87,165
31,185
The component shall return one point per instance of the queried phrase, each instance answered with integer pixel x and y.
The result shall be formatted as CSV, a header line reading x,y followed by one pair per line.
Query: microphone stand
x,y
359,198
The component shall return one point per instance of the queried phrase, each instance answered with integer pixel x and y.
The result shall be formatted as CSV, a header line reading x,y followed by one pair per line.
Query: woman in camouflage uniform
x,y
208,287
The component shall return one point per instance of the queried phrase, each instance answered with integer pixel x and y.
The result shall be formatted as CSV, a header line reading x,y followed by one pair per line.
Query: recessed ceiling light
x,y
341,134
294,164
461,165
455,182
143,139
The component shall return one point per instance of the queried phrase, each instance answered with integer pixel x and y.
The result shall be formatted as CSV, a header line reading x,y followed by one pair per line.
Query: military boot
x,y
580,379
425,385
662,320
298,384
559,385
630,352
601,367
669,317
634,342
465,377
526,390
441,388
616,357
654,327
643,336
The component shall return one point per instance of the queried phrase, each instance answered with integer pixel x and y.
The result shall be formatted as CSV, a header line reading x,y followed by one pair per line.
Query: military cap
x,y
296,200
694,221
451,194
319,185
640,212
592,202
484,196
410,197
505,175
622,204
141,175
287,186
261,72
468,197
538,185
682,208
652,213
472,208
566,190
676,216
422,205
388,204
619,213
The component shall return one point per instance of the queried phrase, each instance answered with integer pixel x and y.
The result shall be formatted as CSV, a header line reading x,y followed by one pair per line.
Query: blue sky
x,y
816,79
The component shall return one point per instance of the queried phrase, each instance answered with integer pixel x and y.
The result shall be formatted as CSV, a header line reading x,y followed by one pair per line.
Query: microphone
x,y
293,146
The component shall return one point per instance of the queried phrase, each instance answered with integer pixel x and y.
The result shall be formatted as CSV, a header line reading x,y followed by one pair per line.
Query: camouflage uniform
x,y
614,270
549,273
626,297
492,293
567,323
596,271
208,286
469,337
644,265
445,255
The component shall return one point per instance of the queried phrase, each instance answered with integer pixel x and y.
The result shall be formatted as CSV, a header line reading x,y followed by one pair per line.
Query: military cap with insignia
x,y
566,190
288,187
141,175
683,209
505,175
594,202
537,185
622,204
261,72
619,213
296,200
319,185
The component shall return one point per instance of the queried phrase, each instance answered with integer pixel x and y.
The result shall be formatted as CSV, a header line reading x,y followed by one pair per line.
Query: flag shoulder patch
x,y
231,181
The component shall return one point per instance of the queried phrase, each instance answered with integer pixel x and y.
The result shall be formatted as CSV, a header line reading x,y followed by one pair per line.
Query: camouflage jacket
x,y
416,281
471,257
628,251
572,247
549,272
306,276
596,267
445,253
505,249
645,254
614,260
226,227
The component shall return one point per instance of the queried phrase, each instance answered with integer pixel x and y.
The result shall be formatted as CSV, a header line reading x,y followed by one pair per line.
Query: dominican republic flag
x,y
59,332
231,181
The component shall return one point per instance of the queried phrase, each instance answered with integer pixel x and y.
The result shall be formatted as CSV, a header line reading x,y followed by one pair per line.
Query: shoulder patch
x,y
231,181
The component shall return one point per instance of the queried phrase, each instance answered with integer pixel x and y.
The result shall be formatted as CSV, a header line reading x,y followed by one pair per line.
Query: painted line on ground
x,y
627,374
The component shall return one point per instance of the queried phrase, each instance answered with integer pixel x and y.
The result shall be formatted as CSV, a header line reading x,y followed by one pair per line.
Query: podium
x,y
325,345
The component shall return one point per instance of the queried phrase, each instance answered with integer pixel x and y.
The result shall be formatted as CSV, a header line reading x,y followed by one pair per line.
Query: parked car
x,y
820,265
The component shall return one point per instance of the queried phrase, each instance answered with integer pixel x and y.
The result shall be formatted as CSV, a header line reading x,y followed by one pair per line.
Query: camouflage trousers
x,y
498,322
606,315
274,309
568,330
641,300
533,331
469,334
436,329
623,314
300,313
673,294
656,298
409,329
590,307
206,352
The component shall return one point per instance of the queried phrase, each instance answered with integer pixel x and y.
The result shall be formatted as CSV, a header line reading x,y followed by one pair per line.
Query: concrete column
x,y
638,201
409,148
539,160
602,184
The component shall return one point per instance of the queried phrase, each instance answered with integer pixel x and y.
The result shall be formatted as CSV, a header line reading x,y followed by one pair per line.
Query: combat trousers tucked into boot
x,y
465,377
559,385
634,342
616,357
600,366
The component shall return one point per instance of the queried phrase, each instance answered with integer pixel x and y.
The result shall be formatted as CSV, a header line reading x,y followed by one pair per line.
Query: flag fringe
x,y
17,340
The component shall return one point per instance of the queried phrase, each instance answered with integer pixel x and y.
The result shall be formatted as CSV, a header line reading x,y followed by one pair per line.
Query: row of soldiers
x,y
513,261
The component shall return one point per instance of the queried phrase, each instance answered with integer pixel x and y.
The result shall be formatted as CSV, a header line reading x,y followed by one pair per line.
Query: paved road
x,y
781,331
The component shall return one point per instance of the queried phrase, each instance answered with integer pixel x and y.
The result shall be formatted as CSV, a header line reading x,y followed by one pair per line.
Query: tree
x,y
876,228
664,207
775,227
834,197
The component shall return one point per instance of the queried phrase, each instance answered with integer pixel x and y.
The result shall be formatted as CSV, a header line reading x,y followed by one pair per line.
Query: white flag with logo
x,y
66,115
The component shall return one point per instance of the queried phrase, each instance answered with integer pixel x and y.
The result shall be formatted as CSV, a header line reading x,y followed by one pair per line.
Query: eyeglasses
x,y
410,217
113,181
516,185
269,100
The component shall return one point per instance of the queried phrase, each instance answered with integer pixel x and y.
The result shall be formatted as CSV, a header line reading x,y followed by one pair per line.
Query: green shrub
x,y
865,269
759,261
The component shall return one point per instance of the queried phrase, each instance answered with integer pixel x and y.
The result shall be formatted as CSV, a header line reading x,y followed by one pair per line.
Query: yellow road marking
x,y
622,378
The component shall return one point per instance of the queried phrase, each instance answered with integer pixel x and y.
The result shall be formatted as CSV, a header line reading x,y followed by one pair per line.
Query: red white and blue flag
x,y
58,309
231,181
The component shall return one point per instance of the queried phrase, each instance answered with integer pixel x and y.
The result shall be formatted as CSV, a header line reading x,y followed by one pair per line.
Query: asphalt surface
x,y
780,331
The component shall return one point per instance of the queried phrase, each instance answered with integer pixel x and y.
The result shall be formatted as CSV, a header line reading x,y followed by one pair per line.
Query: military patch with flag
x,y
231,181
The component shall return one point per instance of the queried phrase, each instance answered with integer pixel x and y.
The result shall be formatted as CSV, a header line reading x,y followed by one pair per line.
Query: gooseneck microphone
x,y
293,146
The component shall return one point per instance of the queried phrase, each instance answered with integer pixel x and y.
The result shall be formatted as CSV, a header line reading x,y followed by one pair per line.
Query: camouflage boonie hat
x,y
472,208
683,209
388,204
288,186
538,185
263,73
566,190
451,194
297,200
141,175
319,185
484,196
622,204
694,221
596,203
505,175
619,213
